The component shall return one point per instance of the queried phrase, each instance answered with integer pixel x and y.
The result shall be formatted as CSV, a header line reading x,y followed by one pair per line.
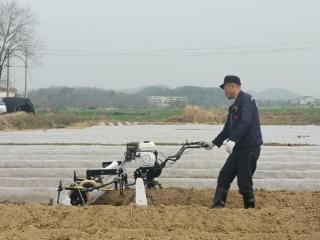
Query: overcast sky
x,y
133,43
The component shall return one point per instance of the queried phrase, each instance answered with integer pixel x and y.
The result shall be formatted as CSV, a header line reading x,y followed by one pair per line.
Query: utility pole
x,y
8,75
25,72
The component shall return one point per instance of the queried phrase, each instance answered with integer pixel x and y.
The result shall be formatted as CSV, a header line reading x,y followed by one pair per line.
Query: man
x,y
243,134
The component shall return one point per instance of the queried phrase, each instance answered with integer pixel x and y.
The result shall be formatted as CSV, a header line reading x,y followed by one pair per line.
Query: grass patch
x,y
22,120
80,118
143,115
290,116
196,114
268,116
68,117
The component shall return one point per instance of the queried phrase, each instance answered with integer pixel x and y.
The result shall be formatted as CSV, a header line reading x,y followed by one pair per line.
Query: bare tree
x,y
17,33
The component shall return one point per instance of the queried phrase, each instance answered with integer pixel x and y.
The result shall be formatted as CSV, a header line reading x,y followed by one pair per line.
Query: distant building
x,y
163,101
306,100
3,89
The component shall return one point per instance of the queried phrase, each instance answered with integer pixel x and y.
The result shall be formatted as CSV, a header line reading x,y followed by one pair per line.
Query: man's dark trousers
x,y
241,163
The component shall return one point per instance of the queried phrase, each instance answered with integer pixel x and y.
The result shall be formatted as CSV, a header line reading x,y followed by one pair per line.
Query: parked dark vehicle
x,y
17,104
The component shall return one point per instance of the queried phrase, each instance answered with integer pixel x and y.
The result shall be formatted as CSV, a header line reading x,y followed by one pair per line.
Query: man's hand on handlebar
x,y
208,145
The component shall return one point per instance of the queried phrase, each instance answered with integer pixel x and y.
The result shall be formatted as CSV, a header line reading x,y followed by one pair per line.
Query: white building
x,y
163,101
3,90
306,100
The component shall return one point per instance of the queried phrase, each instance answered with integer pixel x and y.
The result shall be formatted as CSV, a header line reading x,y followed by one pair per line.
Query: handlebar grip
x,y
200,143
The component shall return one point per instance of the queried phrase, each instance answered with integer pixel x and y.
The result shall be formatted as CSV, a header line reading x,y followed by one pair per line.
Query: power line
x,y
188,49
193,52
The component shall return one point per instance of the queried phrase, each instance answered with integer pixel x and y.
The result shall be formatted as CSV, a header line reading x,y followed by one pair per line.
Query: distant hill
x,y
57,97
129,90
138,89
274,94
60,97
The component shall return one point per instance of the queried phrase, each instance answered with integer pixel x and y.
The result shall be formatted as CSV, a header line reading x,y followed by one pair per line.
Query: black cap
x,y
230,79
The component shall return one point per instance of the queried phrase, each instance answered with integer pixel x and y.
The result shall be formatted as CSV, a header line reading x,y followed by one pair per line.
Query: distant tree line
x,y
61,97
58,97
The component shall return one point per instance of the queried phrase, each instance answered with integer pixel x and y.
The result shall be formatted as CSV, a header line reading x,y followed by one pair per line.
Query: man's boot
x,y
249,200
220,198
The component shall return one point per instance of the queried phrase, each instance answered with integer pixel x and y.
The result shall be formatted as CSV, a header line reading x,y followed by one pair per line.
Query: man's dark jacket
x,y
243,124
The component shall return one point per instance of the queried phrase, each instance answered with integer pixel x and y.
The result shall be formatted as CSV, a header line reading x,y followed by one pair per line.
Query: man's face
x,y
230,90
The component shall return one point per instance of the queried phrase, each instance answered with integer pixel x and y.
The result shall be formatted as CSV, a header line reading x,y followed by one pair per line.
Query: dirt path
x,y
172,214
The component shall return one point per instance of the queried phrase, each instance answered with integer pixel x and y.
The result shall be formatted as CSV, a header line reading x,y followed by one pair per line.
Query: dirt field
x,y
171,214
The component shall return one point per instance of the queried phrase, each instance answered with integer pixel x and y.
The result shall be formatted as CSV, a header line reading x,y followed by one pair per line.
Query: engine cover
x,y
146,159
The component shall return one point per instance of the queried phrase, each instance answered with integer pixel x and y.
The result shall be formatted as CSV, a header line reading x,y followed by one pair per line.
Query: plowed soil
x,y
171,214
